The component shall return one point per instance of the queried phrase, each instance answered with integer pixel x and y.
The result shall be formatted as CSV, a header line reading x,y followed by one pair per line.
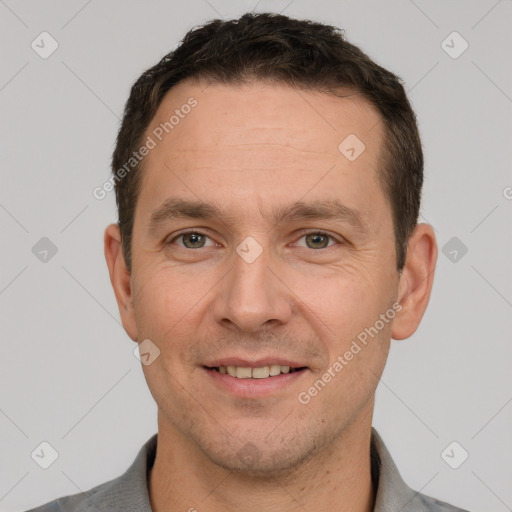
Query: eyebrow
x,y
174,208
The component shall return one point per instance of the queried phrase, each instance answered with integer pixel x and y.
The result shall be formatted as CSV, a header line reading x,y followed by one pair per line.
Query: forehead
x,y
266,114
258,137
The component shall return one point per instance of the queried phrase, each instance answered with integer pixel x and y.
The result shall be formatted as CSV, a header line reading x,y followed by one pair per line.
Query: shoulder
x,y
79,502
429,504
126,492
97,499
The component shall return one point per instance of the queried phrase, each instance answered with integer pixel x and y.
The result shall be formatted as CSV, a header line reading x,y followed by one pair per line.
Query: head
x,y
271,217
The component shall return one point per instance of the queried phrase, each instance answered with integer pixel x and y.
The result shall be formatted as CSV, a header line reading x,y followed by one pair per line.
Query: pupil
x,y
194,238
317,239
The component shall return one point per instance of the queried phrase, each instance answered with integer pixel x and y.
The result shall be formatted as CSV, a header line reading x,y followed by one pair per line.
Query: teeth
x,y
275,369
261,373
243,372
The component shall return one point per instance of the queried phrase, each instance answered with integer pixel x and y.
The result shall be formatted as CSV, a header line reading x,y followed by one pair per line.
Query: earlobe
x,y
120,278
416,281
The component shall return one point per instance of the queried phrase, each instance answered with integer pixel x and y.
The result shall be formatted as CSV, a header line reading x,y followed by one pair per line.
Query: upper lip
x,y
253,363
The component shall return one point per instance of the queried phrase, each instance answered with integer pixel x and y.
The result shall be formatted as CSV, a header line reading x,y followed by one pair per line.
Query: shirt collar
x,y
393,494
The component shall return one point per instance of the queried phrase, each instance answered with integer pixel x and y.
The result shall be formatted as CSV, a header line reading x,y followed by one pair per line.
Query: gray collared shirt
x,y
129,492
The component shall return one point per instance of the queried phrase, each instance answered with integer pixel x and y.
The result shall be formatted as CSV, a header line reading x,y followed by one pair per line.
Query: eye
x,y
193,240
317,240
197,240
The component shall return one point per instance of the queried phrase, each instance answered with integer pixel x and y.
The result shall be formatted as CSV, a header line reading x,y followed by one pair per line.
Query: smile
x,y
262,372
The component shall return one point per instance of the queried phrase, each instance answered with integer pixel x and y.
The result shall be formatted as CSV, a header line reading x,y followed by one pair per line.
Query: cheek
x,y
170,307
160,301
344,302
356,341
164,307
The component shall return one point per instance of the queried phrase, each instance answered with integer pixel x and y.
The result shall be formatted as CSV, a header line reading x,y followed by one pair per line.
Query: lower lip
x,y
254,388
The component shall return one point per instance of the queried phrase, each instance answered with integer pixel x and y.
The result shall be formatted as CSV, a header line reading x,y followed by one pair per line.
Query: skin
x,y
247,149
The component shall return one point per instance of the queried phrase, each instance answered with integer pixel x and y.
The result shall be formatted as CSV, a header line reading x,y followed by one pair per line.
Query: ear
x,y
416,281
120,278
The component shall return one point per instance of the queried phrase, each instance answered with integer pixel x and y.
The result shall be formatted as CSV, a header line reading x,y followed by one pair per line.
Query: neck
x,y
337,478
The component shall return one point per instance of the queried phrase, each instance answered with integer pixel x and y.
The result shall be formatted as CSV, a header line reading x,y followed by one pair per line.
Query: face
x,y
259,243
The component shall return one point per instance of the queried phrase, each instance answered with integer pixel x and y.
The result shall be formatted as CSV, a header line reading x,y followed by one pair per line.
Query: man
x,y
268,179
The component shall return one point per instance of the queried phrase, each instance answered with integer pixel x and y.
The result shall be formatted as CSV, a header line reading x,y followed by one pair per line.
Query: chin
x,y
260,459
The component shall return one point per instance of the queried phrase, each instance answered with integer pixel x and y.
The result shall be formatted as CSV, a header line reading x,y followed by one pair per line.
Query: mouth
x,y
259,372
267,376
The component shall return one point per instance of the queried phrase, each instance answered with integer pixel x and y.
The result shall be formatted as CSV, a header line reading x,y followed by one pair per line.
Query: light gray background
x,y
68,373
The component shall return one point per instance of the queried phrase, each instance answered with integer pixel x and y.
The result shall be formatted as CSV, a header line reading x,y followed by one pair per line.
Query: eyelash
x,y
313,232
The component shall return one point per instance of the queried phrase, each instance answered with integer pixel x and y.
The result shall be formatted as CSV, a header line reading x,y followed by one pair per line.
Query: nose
x,y
253,296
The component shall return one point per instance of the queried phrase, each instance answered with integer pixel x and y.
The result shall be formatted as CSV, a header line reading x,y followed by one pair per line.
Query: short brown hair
x,y
302,54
